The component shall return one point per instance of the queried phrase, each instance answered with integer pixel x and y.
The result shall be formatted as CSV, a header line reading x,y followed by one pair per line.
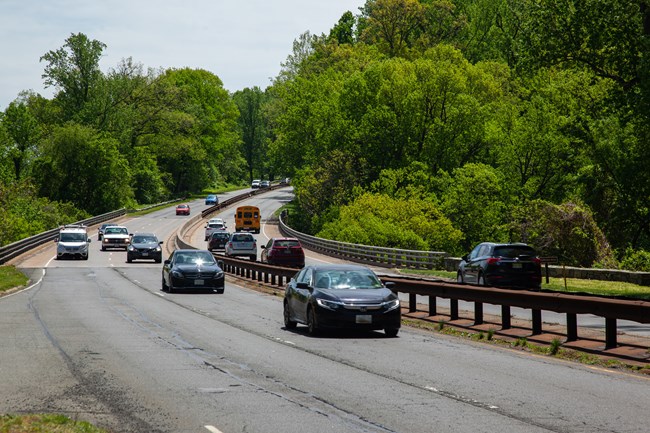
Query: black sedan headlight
x,y
177,274
391,305
330,305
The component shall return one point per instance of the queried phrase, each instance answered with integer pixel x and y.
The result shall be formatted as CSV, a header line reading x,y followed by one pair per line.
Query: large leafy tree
x,y
254,130
74,72
22,133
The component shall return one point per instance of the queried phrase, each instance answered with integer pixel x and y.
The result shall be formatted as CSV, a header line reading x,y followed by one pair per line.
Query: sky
x,y
243,42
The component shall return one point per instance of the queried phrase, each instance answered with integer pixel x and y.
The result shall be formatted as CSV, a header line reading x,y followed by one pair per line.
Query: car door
x,y
473,267
300,294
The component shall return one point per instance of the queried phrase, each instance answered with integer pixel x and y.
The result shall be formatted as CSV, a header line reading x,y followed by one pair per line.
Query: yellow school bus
x,y
247,218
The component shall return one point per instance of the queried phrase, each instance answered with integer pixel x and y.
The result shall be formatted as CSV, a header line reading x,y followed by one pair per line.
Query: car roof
x,y
343,267
144,234
189,250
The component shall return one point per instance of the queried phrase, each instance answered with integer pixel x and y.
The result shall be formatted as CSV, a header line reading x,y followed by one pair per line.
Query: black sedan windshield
x,y
338,279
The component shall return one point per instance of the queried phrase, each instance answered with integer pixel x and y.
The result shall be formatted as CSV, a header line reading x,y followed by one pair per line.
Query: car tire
x,y
103,249
288,323
221,290
165,288
252,257
129,260
459,278
158,260
481,280
391,332
85,257
312,323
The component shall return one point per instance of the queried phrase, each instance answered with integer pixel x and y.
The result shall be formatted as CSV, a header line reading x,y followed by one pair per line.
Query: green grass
x,y
11,277
51,423
595,287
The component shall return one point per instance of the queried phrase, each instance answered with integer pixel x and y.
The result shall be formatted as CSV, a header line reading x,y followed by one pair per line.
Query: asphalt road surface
x,y
99,341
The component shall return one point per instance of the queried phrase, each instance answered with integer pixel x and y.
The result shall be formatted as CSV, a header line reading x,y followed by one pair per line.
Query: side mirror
x,y
167,262
160,242
88,240
465,257
263,247
302,286
390,285
56,239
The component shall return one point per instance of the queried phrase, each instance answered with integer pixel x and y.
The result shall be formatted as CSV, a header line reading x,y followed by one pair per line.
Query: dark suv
x,y
501,265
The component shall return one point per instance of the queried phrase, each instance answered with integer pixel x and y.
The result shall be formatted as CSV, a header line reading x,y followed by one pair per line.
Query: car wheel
x,y
288,323
459,278
165,288
391,332
158,260
252,257
312,325
103,249
481,280
221,290
129,259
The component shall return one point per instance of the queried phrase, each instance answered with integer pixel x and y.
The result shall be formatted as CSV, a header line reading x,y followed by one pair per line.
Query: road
x,y
98,340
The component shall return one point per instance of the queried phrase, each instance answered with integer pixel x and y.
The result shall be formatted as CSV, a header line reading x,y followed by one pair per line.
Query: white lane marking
x,y
36,283
212,429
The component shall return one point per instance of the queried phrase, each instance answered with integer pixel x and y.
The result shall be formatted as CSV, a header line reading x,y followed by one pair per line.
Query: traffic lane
x,y
486,378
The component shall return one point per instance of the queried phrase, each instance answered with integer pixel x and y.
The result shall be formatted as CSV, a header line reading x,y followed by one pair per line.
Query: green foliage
x,y
23,213
474,200
636,260
567,231
376,219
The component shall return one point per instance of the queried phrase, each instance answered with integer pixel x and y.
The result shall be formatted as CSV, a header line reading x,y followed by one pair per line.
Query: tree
x,y
343,32
22,135
252,125
392,24
74,71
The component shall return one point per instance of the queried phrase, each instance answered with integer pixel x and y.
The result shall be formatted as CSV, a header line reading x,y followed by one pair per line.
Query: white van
x,y
72,241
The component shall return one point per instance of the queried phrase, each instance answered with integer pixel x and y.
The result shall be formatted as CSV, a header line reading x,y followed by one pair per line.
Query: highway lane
x,y
99,340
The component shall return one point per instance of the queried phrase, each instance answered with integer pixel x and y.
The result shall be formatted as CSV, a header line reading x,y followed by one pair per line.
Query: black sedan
x,y
341,296
144,246
192,269
512,265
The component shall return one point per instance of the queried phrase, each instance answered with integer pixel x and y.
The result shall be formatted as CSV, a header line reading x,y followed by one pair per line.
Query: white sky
x,y
243,42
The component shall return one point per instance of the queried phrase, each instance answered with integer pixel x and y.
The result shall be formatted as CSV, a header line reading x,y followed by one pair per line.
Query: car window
x,y
346,279
72,237
304,276
242,238
513,251
287,243
144,239
475,251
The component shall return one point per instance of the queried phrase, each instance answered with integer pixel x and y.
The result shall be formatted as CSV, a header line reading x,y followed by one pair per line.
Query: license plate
x,y
517,266
145,254
364,318
198,282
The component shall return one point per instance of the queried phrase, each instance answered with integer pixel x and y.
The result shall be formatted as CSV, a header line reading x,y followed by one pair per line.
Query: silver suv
x,y
242,244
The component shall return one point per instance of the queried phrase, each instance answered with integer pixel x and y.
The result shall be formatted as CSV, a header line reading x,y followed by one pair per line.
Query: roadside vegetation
x,y
10,277
41,423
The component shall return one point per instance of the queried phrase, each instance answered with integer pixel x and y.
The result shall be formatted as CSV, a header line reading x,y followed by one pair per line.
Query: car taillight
x,y
493,260
537,261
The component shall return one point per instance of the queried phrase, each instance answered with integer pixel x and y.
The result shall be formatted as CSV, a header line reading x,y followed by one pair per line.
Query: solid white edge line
x,y
36,283
212,429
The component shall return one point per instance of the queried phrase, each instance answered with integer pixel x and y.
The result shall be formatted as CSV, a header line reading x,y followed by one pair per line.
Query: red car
x,y
183,209
283,252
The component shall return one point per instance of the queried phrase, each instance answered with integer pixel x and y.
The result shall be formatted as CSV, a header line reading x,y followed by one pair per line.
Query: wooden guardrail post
x,y
610,333
571,327
478,313
505,317
433,306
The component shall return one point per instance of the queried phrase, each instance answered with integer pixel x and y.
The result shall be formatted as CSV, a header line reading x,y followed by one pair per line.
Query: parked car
x,y
256,183
116,237
100,230
183,209
212,199
212,227
144,246
192,269
242,244
265,184
218,240
283,252
501,265
341,296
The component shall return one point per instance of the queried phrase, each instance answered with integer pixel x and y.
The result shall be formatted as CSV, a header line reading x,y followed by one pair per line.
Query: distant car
x,y
183,209
72,242
341,296
242,245
284,181
144,246
501,265
265,184
218,240
216,220
100,230
116,237
256,183
212,227
212,199
192,269
283,252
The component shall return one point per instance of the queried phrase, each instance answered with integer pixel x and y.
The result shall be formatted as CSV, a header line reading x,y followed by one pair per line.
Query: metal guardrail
x,y
15,249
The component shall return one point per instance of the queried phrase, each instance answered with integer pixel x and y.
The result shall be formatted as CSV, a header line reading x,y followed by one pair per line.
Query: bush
x,y
636,260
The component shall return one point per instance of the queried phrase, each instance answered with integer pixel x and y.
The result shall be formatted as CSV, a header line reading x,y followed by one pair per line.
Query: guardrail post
x,y
571,327
432,306
453,309
478,313
610,333
537,322
505,317
413,306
